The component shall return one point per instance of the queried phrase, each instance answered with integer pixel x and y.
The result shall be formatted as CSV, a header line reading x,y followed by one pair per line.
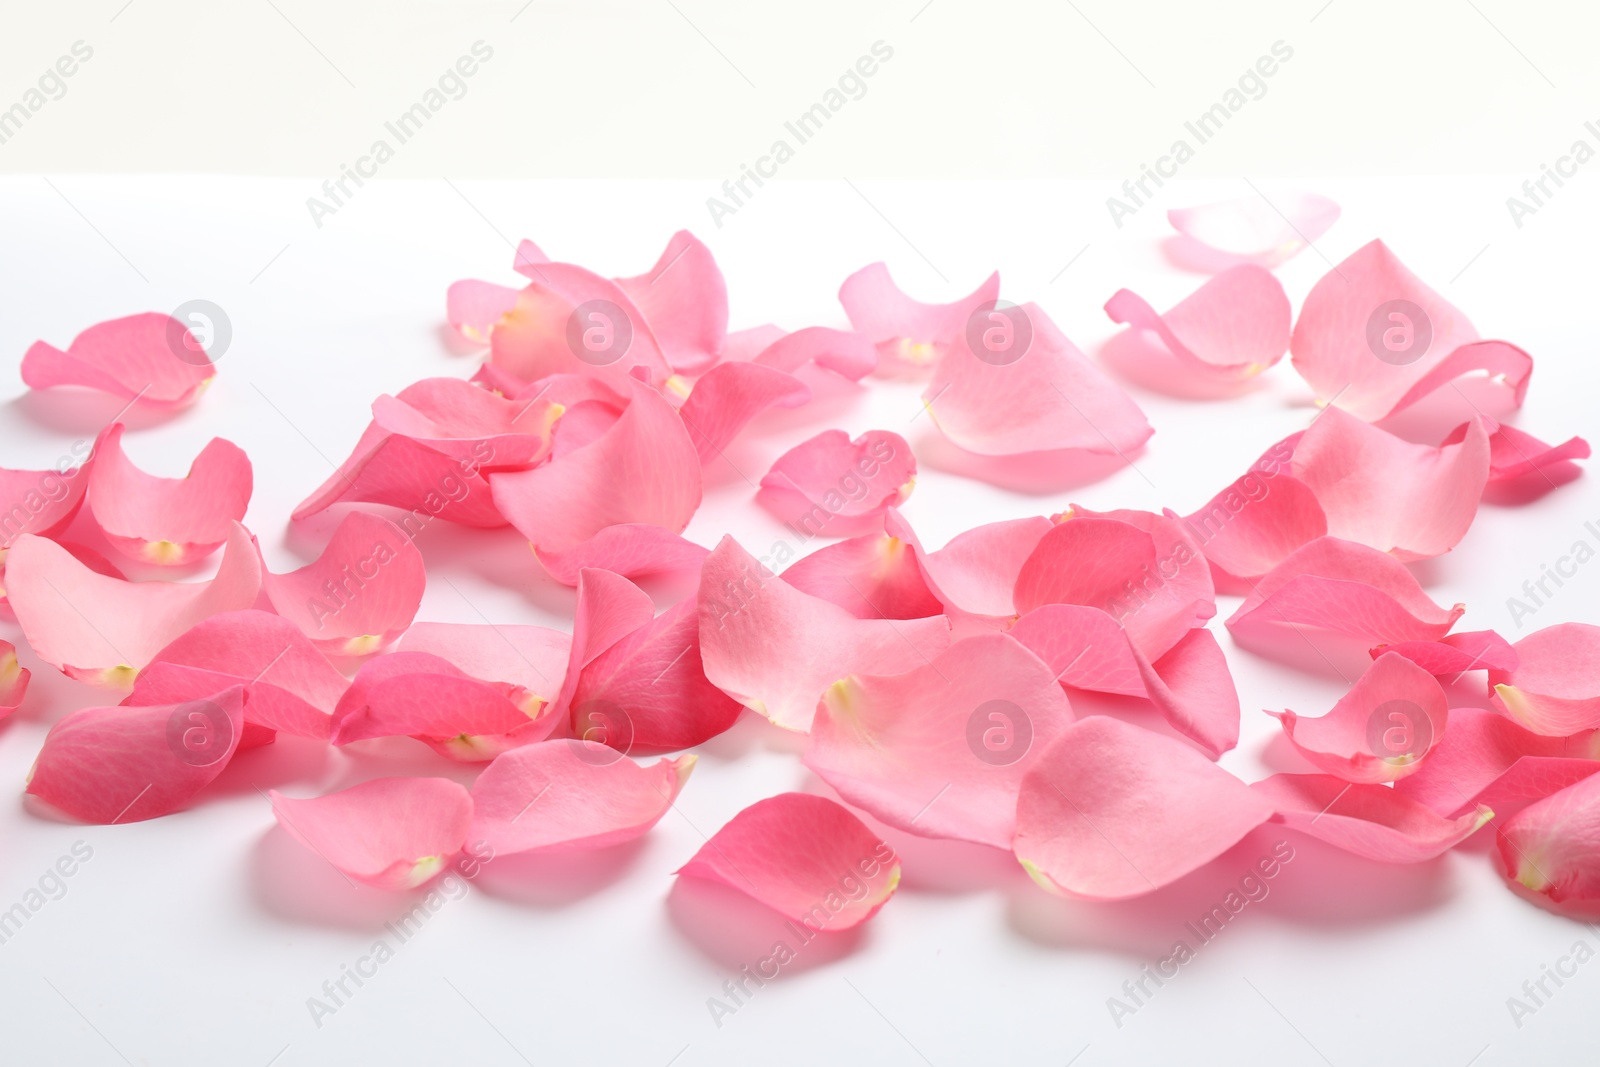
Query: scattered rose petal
x,y
1553,847
1513,453
475,308
1471,650
874,576
847,354
830,479
729,396
1254,229
39,502
685,301
1367,820
13,679
152,358
906,331
976,572
1485,758
532,659
1555,686
1233,327
631,549
389,833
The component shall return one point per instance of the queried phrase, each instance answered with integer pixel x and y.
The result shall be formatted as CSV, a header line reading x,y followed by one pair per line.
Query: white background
x,y
197,939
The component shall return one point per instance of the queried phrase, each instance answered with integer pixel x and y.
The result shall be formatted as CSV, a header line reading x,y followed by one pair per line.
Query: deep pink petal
x,y
941,749
168,521
776,649
1113,811
360,593
685,301
803,856
830,477
403,473
1047,398
1252,229
126,764
644,469
976,572
1368,820
1379,731
138,356
1471,650
609,609
102,630
566,794
1485,758
1513,453
390,833
1233,327
729,396
1348,588
1553,847
874,576
1555,687
906,330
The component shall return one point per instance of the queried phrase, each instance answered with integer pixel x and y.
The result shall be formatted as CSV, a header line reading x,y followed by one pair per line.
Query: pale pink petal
x,y
529,258
1233,327
1553,847
632,550
475,308
1255,230
1112,811
848,354
530,658
644,469
1470,650
685,301
1485,758
572,321
566,795
168,521
831,480
874,576
1379,731
1367,820
1348,588
649,690
1409,500
1374,339
1256,523
747,344
1192,686
803,856
390,833
39,502
908,331
976,572
729,396
126,764
776,649
289,684
941,749
1041,395
1555,686
103,630
13,679
151,357
1142,569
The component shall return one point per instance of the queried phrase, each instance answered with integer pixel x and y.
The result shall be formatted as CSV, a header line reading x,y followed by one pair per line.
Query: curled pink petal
x,y
609,609
848,354
1037,393
360,593
906,330
685,301
1513,453
290,686
13,679
1552,848
565,794
1471,650
1485,758
1367,820
803,856
644,469
729,396
475,308
39,502
1379,731
649,690
1253,229
1233,327
1374,339
1112,811
976,572
1140,568
776,649
1256,523
150,357
1412,501
1347,588
389,833
126,764
1555,687
874,576
830,477
941,749
529,258
103,630
168,520
631,549
569,320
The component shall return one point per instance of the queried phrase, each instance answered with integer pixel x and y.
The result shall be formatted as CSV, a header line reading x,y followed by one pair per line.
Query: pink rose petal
x,y
1471,650
850,355
908,331
941,749
530,658
830,478
976,572
1112,811
569,320
874,576
565,795
1367,820
126,764
631,549
803,856
13,679
1552,848
1485,758
1256,523
685,301
389,833
729,396
1233,327
1555,687
39,502
1255,230
135,358
1514,454
475,308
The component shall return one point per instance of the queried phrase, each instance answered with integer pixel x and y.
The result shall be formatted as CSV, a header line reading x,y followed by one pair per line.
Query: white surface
x,y
197,939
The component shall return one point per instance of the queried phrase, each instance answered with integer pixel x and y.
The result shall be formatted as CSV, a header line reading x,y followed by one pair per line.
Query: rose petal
x,y
1256,523
1472,650
976,572
632,549
389,833
729,396
908,331
532,658
685,301
1367,820
13,679
1553,847
831,477
1513,453
1254,229
135,358
39,502
848,354
1233,327
1485,758
1555,687
475,308
803,856
569,320
874,576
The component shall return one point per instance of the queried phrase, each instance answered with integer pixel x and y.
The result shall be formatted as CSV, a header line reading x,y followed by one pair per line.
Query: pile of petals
x,y
1051,686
